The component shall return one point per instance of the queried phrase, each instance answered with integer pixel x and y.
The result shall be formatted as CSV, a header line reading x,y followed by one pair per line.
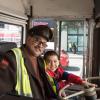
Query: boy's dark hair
x,y
41,30
50,53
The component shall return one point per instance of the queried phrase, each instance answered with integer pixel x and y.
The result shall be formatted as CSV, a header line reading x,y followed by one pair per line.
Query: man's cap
x,y
41,30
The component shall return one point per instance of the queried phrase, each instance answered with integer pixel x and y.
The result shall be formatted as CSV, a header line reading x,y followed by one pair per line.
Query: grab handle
x,y
69,96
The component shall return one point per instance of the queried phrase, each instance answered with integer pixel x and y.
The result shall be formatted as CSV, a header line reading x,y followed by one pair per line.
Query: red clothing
x,y
64,59
60,75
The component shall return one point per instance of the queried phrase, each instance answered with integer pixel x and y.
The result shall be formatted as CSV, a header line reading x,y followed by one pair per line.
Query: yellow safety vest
x,y
23,84
52,84
51,80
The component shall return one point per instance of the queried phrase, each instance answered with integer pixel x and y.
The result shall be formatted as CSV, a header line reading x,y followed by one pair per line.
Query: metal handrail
x,y
93,78
69,96
78,92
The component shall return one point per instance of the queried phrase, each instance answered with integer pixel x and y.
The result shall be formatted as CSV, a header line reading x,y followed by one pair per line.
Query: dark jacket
x,y
41,91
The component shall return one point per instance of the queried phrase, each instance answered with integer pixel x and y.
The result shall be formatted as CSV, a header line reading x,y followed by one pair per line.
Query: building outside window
x,y
74,35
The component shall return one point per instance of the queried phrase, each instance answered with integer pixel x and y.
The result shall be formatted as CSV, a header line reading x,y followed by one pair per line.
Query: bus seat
x,y
5,46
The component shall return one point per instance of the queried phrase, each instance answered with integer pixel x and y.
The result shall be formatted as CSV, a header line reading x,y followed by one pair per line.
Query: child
x,y
57,76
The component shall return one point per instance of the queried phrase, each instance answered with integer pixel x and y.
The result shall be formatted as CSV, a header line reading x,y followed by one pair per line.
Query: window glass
x,y
80,41
72,38
10,33
72,30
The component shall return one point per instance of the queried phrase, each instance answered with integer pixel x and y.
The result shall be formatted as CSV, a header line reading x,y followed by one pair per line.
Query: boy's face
x,y
52,63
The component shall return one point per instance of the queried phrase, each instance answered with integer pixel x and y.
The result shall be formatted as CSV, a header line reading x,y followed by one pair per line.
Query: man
x,y
23,73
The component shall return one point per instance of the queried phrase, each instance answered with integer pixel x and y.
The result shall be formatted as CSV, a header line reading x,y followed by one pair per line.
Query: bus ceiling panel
x,y
70,9
13,8
63,9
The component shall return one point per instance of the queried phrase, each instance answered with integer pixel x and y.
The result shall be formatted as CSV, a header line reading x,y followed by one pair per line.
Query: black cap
x,y
41,30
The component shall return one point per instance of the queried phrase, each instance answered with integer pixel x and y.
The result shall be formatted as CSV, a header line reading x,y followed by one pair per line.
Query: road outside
x,y
76,64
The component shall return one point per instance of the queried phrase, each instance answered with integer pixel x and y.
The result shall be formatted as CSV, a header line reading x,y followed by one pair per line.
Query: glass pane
x,y
72,30
71,40
80,40
81,30
11,33
80,49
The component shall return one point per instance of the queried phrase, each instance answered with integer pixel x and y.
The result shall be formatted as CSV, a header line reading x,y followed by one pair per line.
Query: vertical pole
x,y
60,37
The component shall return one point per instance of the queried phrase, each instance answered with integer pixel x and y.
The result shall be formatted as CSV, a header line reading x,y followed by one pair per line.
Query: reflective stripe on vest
x,y
23,84
51,80
52,83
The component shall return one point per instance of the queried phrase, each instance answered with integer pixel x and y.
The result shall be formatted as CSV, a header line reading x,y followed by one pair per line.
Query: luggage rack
x,y
84,94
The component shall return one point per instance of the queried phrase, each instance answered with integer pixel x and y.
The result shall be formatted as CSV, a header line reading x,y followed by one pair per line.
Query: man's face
x,y
36,45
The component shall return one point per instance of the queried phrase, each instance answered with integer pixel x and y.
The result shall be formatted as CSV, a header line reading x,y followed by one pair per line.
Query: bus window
x,y
10,33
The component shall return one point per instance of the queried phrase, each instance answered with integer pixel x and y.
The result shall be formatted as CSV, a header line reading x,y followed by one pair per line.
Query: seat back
x,y
5,46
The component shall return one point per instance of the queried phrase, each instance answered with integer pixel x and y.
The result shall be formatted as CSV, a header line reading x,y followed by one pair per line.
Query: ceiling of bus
x,y
49,8
13,7
62,8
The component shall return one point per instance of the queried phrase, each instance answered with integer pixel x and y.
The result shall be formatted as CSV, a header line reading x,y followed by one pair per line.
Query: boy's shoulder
x,y
60,70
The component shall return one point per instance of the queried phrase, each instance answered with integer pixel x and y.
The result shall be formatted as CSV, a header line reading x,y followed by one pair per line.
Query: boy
x,y
57,76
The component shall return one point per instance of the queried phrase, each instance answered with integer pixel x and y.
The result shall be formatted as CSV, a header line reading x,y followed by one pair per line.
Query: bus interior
x,y
75,24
